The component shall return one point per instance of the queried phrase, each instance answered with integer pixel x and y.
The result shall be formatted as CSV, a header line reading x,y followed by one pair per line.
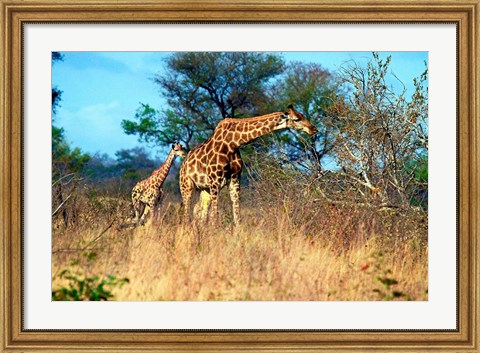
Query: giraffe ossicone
x,y
216,162
146,193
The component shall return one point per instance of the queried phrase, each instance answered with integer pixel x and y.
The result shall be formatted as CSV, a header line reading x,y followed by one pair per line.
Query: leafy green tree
x,y
100,167
201,89
56,98
418,189
134,164
65,159
156,128
117,176
311,89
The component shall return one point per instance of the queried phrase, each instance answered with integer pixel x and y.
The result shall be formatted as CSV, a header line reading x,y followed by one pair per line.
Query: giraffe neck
x,y
161,173
245,130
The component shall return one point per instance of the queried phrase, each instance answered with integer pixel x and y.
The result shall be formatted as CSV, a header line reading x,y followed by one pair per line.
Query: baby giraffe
x,y
146,194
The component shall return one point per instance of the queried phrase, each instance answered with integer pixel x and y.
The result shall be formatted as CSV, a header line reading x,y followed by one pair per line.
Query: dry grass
x,y
287,248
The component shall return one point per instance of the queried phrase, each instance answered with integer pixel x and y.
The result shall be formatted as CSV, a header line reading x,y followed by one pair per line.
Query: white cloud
x,y
137,62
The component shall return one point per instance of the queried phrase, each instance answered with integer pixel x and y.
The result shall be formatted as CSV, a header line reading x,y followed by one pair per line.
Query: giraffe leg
x,y
139,212
200,210
135,204
234,188
146,211
135,212
186,189
157,204
214,205
137,208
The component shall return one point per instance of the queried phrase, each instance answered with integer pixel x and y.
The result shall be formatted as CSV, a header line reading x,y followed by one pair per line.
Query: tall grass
x,y
290,245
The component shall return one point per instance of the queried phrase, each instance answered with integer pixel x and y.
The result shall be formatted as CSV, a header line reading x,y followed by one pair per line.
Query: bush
x,y
82,288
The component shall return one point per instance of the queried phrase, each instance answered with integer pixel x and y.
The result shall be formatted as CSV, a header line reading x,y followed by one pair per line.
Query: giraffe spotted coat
x,y
216,162
147,193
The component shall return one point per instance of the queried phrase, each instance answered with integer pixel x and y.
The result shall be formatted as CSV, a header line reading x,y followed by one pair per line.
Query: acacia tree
x,y
201,89
382,138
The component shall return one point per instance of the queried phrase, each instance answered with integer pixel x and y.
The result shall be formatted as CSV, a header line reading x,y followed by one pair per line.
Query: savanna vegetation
x,y
341,215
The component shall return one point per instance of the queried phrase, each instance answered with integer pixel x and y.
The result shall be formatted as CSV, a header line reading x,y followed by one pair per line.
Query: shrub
x,y
83,288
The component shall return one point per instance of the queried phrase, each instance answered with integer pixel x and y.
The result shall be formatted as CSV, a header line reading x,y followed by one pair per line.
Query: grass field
x,y
288,247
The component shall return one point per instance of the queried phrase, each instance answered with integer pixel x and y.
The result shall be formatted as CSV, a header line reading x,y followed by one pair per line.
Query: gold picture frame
x,y
463,13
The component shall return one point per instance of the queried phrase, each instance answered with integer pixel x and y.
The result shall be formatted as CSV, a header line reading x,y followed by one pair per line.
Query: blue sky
x,y
100,89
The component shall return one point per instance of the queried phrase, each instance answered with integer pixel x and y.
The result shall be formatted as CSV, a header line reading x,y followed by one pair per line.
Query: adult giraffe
x,y
211,164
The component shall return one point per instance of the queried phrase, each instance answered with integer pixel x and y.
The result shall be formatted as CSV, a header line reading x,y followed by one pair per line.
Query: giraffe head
x,y
297,121
178,150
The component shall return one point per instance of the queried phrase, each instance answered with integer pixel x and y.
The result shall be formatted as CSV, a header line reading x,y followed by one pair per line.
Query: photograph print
x,y
239,176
